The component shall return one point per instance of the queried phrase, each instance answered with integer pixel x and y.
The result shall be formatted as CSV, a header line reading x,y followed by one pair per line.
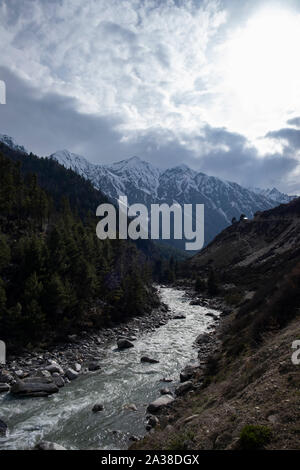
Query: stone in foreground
x,y
97,407
159,403
71,374
55,367
183,388
58,380
34,388
93,366
4,388
124,343
188,373
149,359
165,391
46,445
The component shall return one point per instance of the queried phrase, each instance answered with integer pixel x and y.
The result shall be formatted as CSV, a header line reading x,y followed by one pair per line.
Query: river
x,y
67,418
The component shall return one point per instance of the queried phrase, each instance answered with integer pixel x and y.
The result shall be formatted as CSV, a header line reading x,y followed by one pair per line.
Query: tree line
x,y
56,277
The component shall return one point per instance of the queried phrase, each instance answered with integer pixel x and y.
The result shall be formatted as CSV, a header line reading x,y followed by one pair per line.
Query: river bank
x,y
124,385
81,352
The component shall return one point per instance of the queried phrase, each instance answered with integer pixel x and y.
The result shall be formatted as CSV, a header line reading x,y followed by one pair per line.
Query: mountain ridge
x,y
142,182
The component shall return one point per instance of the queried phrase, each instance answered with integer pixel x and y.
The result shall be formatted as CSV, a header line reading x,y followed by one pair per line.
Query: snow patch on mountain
x,y
11,143
274,195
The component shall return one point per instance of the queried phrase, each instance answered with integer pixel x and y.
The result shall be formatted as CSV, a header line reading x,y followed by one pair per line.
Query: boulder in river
x,y
44,373
77,367
203,338
3,428
97,407
149,359
71,374
188,373
196,302
58,380
4,388
20,374
180,316
130,406
46,445
183,388
159,403
33,387
6,377
132,338
165,391
212,315
93,366
124,343
54,367
152,421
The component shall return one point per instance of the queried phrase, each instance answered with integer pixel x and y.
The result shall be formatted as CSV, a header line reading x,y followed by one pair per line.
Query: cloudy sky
x,y
213,84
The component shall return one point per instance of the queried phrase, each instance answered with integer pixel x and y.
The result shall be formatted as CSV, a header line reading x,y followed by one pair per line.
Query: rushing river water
x,y
67,418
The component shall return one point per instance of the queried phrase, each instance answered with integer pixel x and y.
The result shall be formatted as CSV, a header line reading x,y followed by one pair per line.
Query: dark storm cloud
x,y
232,158
294,122
221,153
290,137
44,123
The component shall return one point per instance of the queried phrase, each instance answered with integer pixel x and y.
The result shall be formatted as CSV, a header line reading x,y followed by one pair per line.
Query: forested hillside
x,y
58,181
56,277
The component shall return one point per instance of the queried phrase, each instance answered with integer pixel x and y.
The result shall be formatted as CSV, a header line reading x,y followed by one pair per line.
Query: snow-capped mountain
x,y
142,182
274,195
10,142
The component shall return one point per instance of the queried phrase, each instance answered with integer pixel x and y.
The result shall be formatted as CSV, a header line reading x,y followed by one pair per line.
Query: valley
x,y
247,277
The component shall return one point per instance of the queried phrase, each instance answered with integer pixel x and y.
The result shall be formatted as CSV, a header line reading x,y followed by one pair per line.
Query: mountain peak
x,y
74,161
183,168
135,159
65,153
133,162
133,165
273,194
11,143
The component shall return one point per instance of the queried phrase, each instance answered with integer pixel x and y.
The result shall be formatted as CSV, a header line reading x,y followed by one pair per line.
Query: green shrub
x,y
254,437
181,441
